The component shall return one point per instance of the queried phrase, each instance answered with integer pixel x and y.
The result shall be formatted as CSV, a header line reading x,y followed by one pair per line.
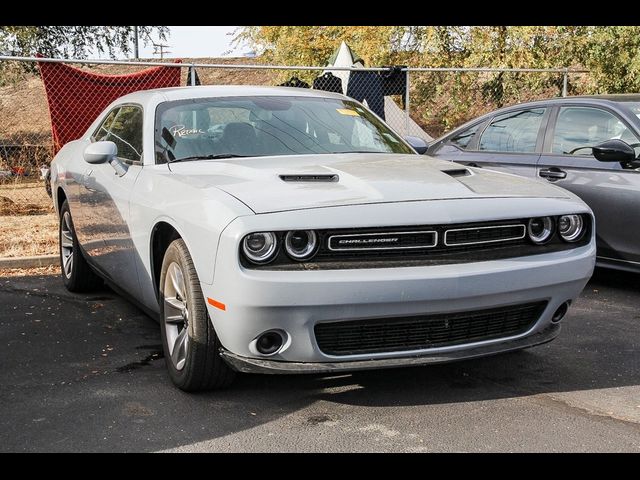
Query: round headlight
x,y
571,227
540,229
260,247
301,244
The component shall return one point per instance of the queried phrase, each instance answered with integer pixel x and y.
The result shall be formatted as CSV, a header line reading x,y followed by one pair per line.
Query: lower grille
x,y
425,331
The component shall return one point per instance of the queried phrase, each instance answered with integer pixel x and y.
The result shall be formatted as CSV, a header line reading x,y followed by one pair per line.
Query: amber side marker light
x,y
217,304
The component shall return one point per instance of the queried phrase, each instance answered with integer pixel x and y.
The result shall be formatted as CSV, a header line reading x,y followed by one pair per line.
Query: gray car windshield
x,y
228,127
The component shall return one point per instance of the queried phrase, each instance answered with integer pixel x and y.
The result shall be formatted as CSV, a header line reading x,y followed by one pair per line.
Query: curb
x,y
29,262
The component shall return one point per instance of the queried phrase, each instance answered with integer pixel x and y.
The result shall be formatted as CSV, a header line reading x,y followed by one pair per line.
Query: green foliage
x,y
61,41
313,45
613,58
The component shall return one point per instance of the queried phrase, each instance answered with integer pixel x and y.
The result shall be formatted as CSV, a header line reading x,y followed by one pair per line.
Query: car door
x,y
105,200
611,190
511,142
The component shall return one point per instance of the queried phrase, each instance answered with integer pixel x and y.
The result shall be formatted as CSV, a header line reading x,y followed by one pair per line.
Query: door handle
x,y
553,173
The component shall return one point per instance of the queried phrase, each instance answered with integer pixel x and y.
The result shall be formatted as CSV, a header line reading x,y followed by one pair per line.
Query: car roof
x,y
207,91
594,99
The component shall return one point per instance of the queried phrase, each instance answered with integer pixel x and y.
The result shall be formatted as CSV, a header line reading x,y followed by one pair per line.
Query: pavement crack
x,y
588,412
552,398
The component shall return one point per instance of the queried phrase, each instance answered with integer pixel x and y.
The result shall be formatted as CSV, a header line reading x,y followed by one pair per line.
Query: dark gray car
x,y
553,140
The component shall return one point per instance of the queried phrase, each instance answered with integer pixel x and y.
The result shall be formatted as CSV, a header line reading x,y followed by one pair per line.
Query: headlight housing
x,y
571,227
260,247
540,229
301,244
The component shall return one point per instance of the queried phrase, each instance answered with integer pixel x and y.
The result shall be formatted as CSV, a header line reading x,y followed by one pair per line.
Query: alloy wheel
x,y
66,245
176,315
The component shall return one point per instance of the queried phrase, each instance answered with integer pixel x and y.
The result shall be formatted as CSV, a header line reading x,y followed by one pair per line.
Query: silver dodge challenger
x,y
284,230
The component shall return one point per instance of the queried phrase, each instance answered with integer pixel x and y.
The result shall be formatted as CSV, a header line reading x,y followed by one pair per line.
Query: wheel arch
x,y
162,234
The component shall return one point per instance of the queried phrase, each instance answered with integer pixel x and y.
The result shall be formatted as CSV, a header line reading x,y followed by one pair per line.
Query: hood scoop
x,y
325,178
458,172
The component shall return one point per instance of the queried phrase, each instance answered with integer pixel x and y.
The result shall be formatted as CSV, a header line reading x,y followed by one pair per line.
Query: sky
x,y
189,42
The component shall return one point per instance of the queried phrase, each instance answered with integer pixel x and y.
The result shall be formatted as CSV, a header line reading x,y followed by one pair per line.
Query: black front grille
x,y
418,245
425,331
382,241
479,235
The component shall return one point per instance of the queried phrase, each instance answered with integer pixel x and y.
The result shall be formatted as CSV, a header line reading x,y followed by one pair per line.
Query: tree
x,y
63,41
313,45
612,56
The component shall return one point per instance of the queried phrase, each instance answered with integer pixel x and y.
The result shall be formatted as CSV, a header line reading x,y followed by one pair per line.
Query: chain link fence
x,y
442,99
418,102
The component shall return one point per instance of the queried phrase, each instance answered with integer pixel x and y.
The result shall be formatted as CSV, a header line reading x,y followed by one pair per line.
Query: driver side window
x,y
102,132
123,126
579,128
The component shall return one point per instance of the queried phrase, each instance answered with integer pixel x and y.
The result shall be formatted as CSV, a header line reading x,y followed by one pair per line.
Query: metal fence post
x,y
192,79
565,82
406,104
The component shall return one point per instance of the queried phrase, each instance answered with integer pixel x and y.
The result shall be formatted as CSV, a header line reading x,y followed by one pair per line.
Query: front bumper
x,y
262,365
295,301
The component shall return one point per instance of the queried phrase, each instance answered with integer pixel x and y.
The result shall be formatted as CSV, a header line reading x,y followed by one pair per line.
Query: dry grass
x,y
19,197
30,272
28,235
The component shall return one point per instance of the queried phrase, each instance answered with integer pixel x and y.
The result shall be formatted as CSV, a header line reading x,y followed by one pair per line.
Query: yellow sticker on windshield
x,y
346,111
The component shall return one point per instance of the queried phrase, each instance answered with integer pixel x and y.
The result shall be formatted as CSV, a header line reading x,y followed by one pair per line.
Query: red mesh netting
x,y
76,97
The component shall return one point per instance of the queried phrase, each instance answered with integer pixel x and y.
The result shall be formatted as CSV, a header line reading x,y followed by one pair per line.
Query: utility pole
x,y
159,48
135,43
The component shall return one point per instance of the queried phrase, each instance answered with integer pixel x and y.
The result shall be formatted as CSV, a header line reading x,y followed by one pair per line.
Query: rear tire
x,y
77,275
191,346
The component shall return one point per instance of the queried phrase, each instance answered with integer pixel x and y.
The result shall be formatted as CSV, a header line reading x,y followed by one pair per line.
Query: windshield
x,y
260,126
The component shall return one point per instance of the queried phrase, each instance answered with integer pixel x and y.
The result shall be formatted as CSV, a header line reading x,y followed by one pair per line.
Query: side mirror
x,y
100,152
614,150
418,144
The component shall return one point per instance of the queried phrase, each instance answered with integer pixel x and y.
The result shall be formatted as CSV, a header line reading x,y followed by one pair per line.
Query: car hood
x,y
361,178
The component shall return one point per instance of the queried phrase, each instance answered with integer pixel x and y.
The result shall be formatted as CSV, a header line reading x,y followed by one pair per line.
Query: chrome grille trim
x,y
447,244
383,234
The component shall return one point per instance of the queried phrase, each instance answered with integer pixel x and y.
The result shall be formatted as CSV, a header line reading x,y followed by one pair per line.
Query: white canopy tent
x,y
394,115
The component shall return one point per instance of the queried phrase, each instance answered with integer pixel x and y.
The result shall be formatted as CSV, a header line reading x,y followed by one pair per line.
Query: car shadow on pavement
x,y
84,372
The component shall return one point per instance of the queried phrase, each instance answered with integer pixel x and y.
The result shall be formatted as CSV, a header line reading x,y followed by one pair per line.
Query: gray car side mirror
x,y
100,152
418,144
614,150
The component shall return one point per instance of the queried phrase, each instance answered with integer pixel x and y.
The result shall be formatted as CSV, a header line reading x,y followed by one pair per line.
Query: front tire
x,y
191,347
77,275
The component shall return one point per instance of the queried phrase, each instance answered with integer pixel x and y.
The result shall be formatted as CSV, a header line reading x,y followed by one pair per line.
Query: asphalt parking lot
x,y
85,373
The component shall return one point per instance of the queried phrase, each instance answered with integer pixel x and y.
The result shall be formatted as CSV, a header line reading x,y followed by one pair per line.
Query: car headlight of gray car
x,y
541,229
260,247
301,244
571,227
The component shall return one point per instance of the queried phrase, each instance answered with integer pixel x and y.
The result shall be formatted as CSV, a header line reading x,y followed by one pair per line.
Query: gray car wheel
x,y
191,347
77,275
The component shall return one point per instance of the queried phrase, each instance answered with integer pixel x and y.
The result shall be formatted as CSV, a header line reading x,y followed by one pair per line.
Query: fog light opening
x,y
269,343
560,313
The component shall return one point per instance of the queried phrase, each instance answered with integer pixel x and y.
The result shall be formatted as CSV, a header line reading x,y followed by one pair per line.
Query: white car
x,y
303,235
